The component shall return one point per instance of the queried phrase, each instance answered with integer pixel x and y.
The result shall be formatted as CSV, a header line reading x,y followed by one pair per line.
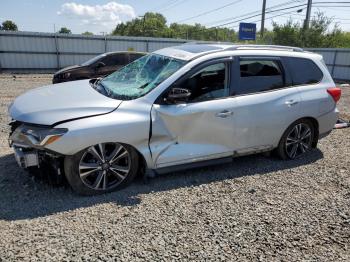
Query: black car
x,y
98,66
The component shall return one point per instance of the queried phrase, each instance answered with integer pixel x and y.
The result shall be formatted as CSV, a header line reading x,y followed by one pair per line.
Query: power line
x,y
209,11
245,18
270,11
271,17
173,5
164,5
326,6
284,15
275,10
268,18
254,12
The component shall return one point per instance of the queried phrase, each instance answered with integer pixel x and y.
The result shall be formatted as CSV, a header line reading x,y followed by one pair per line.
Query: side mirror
x,y
99,65
177,94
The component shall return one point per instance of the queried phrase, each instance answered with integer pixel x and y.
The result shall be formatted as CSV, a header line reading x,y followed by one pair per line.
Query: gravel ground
x,y
257,208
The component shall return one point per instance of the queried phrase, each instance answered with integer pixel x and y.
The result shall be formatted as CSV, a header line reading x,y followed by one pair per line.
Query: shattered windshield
x,y
139,77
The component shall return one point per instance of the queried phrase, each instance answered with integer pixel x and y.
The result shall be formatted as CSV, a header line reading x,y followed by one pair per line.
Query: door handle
x,y
291,102
224,114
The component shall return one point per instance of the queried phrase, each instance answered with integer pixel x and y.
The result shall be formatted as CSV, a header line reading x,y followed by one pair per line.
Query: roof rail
x,y
266,47
206,43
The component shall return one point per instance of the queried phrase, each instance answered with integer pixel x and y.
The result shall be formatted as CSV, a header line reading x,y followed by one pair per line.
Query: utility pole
x,y
262,28
143,24
308,14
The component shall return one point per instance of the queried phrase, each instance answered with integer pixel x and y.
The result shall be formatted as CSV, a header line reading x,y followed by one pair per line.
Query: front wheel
x,y
101,168
296,140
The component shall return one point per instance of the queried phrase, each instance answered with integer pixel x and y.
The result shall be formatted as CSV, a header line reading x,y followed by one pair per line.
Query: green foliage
x,y
154,25
64,30
319,33
8,25
287,34
151,24
87,33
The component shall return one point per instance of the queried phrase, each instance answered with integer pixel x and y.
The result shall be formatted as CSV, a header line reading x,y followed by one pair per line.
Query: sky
x,y
101,16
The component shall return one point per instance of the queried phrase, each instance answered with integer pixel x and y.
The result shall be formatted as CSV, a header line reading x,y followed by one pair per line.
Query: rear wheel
x,y
101,168
297,140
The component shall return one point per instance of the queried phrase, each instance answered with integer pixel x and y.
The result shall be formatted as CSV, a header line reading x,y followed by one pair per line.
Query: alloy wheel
x,y
299,140
104,166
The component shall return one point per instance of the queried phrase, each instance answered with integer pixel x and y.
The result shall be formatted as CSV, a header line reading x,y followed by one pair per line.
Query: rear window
x,y
259,75
304,71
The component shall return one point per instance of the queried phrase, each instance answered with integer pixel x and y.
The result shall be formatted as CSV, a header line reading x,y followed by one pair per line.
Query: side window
x,y
120,59
134,56
208,83
114,60
259,75
107,60
304,71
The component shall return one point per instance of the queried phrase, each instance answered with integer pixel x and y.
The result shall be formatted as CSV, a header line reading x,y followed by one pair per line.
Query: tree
x,y
151,24
8,25
319,33
87,33
287,34
64,30
154,25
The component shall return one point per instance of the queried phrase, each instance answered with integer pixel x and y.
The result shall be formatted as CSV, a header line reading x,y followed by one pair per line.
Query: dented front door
x,y
186,133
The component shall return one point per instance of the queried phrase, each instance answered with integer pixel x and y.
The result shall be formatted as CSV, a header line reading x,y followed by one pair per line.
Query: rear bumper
x,y
326,122
323,135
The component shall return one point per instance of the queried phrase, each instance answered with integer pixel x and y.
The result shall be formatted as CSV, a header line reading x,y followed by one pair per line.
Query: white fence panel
x,y
48,52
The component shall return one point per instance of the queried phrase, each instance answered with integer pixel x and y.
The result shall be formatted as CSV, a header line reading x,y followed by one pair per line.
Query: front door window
x,y
208,83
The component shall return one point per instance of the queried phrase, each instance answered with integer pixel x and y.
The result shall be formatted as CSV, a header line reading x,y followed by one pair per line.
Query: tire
x,y
297,140
90,173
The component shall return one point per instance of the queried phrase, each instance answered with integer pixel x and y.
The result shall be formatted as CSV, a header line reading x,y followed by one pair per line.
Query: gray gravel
x,y
257,208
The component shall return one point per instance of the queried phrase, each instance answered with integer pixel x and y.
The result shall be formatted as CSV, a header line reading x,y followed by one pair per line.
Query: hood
x,y
63,70
55,103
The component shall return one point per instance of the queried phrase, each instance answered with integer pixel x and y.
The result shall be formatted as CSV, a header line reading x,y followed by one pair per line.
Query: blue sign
x,y
247,31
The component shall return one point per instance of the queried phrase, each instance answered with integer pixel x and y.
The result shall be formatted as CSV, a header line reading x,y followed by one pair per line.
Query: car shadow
x,y
23,197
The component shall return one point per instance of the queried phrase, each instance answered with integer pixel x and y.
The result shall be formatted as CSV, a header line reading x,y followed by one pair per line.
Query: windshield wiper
x,y
98,85
144,85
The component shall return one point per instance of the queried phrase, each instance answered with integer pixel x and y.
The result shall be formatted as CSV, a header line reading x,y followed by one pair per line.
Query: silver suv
x,y
176,108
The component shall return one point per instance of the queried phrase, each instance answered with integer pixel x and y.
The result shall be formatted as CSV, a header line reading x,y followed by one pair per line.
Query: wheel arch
x,y
315,125
142,160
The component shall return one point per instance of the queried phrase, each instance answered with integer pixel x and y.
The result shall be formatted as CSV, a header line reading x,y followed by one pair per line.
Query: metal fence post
x,y
147,46
334,62
105,44
57,52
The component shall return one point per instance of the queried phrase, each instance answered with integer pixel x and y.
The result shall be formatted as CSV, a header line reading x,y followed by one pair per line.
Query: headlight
x,y
65,75
37,136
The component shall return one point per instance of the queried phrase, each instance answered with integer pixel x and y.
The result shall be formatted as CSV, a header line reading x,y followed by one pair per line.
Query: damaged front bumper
x,y
26,159
29,141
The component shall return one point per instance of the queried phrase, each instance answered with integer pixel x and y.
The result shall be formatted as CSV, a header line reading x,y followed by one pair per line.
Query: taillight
x,y
335,92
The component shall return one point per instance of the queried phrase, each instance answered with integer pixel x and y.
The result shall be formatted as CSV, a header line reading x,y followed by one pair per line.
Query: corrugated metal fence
x,y
337,61
47,52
